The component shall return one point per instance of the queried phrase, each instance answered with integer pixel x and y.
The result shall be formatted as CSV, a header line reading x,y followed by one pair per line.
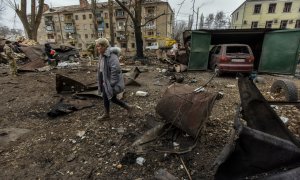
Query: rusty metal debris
x,y
265,148
65,106
130,77
186,109
65,84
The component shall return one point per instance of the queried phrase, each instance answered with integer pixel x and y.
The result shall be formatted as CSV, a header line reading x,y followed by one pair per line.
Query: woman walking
x,y
110,77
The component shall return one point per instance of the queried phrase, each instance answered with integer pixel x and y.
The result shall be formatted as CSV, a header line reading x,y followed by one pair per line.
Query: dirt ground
x,y
79,146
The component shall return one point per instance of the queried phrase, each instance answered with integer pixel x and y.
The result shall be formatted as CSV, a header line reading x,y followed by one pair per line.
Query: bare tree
x,y
4,31
1,10
32,23
220,20
201,24
111,24
136,18
95,22
179,28
209,20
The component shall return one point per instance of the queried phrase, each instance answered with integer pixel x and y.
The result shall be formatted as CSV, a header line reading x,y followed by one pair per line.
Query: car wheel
x,y
71,58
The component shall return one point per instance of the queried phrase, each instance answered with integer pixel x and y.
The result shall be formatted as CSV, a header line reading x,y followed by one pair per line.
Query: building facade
x,y
74,24
283,14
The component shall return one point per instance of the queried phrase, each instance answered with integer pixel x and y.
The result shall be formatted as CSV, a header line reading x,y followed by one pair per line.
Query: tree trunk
x,y
95,22
111,24
31,27
139,41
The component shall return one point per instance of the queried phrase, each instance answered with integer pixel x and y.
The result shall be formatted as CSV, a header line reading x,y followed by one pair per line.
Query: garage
x,y
275,51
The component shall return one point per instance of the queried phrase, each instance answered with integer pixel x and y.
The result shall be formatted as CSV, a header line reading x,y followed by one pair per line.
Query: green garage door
x,y
200,42
280,52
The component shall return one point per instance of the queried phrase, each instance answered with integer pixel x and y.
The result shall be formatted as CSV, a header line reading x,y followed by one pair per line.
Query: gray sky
x,y
205,7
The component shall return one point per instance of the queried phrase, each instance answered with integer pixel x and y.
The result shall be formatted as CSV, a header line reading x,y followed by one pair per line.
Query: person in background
x,y
12,61
52,55
110,77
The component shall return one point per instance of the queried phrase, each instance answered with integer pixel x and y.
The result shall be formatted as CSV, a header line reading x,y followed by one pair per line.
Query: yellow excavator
x,y
160,43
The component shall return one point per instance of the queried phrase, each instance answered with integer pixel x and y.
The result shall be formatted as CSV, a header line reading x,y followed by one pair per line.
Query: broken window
x,y
254,24
272,8
76,17
287,7
283,24
257,8
269,24
297,25
83,17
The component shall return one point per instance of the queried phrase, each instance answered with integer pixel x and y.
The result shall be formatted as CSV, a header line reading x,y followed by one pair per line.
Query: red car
x,y
231,58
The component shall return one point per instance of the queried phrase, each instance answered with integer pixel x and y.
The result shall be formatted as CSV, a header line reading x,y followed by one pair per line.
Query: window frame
x,y
272,9
287,7
282,22
256,10
252,24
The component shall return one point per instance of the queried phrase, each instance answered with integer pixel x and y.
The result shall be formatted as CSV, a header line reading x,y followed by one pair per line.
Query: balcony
x,y
149,16
120,16
100,28
121,39
51,40
150,27
100,19
49,29
70,29
120,28
69,21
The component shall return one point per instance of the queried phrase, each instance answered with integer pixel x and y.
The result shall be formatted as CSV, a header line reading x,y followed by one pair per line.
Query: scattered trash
x,y
80,133
163,174
129,158
193,80
119,166
175,144
66,106
141,93
72,141
220,95
199,89
71,157
67,64
284,119
163,70
140,160
275,107
11,134
230,86
44,69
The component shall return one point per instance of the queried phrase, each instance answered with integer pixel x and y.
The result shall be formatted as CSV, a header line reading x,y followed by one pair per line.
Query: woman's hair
x,y
102,41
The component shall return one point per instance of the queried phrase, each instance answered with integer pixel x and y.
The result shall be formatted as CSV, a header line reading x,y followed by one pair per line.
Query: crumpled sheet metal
x,y
129,77
66,84
36,57
66,106
185,109
263,149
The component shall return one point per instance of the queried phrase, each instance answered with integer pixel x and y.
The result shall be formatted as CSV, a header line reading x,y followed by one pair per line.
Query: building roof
x,y
73,8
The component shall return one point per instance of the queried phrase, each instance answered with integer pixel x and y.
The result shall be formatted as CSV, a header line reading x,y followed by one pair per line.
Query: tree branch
x,y
39,14
153,19
126,9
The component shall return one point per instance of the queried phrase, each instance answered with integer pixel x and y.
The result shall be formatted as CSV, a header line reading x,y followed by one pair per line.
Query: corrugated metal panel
x,y
200,42
280,52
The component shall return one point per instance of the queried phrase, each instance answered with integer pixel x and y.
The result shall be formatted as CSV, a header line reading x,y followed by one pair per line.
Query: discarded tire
x,y
288,88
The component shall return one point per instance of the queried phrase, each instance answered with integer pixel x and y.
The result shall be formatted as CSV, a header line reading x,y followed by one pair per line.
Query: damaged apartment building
x,y
74,24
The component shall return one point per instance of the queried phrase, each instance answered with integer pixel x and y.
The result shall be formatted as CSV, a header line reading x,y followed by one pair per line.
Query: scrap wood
x,y
186,170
